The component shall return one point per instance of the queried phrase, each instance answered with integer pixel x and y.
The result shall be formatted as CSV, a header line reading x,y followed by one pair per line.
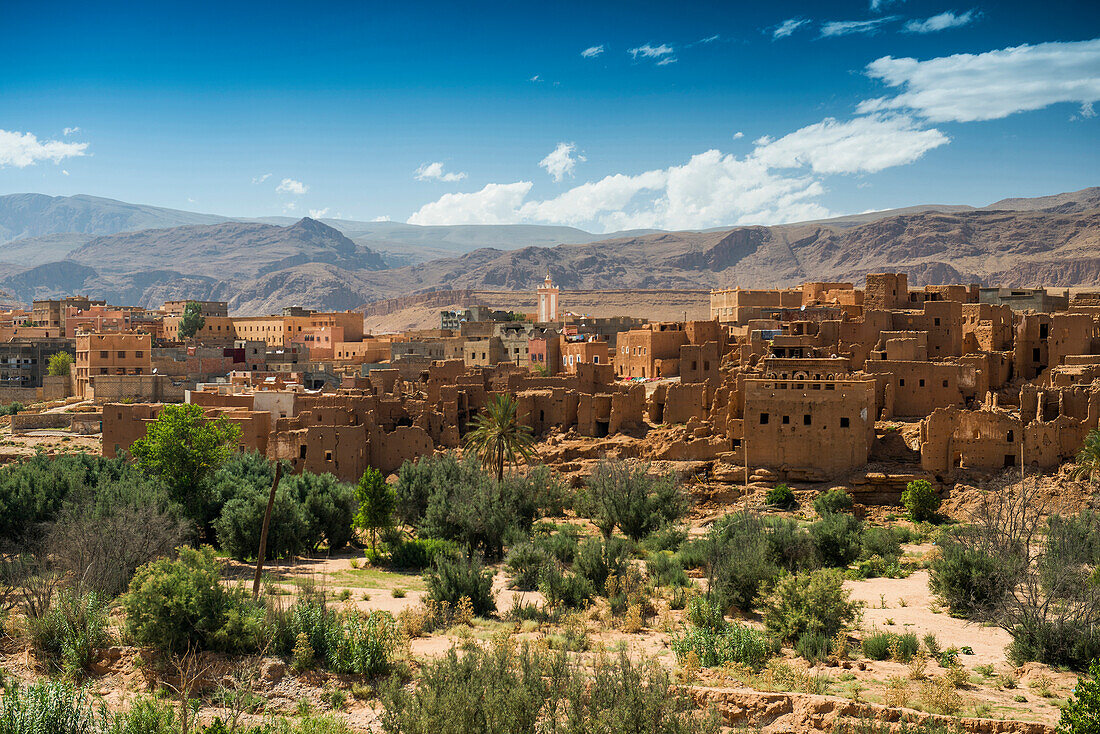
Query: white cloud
x,y
70,131
494,204
261,179
667,61
1086,113
561,162
383,218
788,27
877,5
535,78
861,145
941,22
64,172
318,213
435,172
738,135
710,39
849,27
991,85
289,207
25,149
592,51
646,51
779,181
290,186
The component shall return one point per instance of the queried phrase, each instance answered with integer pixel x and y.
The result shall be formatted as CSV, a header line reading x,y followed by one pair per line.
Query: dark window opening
x,y
602,429
806,420
945,383
763,419
1010,437
786,419
1044,331
1010,459
1035,354
302,451
922,382
844,422
901,382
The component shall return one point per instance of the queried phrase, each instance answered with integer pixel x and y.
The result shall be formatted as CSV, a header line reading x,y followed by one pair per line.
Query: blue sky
x,y
680,115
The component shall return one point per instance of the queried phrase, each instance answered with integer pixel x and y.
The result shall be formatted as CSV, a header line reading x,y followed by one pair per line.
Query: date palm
x,y
498,437
1088,459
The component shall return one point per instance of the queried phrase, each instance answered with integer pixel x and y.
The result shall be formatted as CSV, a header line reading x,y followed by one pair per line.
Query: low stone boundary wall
x,y
39,421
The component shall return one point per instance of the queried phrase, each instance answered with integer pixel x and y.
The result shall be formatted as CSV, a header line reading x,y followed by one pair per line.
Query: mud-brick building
x,y
807,430
111,354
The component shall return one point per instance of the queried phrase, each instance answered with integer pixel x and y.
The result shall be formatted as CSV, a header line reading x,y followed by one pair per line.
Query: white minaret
x,y
548,300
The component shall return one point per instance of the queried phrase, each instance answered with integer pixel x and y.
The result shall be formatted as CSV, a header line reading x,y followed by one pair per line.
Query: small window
x,y
121,354
139,354
844,422
901,382
806,420
302,451
1035,354
763,419
786,420
936,321
328,456
945,383
1010,436
922,382
104,354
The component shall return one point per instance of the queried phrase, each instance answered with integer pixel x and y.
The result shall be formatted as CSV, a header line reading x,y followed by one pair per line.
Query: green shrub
x,y
967,578
178,604
730,643
563,590
920,500
524,563
72,630
150,716
419,553
451,578
669,538
1081,714
780,497
49,707
814,602
838,538
664,569
790,545
882,542
598,558
1061,643
629,498
739,560
342,641
880,645
693,553
702,612
814,647
835,500
558,542
309,509
507,688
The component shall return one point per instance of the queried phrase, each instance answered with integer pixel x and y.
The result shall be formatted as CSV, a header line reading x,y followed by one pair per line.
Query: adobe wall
x,y
23,422
808,429
678,403
918,388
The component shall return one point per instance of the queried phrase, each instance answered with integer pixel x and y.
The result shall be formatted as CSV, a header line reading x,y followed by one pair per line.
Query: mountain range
x,y
142,255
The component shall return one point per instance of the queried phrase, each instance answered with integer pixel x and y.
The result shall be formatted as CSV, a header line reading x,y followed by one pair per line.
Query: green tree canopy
x,y
377,503
192,320
183,448
1088,459
59,364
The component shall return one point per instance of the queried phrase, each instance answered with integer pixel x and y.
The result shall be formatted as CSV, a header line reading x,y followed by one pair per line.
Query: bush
x,y
791,546
309,509
838,539
149,716
882,645
72,630
1059,642
669,538
563,590
814,602
525,562
343,641
517,688
664,569
835,500
969,579
730,643
780,497
598,558
1081,714
702,612
920,500
881,542
739,560
174,605
49,707
814,647
629,498
558,542
452,578
419,553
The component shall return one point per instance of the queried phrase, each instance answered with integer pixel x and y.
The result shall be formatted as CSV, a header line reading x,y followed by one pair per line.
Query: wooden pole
x,y
263,532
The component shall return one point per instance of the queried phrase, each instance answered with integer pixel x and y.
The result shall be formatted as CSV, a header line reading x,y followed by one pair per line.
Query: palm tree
x,y
498,437
1088,459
